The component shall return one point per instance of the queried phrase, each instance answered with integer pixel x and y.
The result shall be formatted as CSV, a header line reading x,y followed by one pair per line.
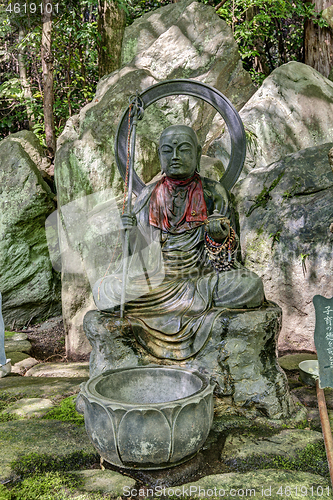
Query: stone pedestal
x,y
240,356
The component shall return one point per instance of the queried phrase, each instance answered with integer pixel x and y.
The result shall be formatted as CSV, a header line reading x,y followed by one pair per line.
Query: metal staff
x,y
137,114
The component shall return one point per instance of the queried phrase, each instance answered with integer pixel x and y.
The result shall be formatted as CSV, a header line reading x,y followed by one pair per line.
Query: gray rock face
x,y
291,111
106,481
240,356
285,216
328,15
30,287
183,40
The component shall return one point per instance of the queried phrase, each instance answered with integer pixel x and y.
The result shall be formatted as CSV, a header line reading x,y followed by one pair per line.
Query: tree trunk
x,y
47,68
111,26
81,50
24,81
318,43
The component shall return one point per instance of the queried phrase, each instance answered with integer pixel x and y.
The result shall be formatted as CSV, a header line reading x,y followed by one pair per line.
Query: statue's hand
x,y
217,230
128,221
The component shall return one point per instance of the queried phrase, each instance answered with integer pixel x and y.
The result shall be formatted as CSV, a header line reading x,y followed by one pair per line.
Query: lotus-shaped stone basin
x,y
148,417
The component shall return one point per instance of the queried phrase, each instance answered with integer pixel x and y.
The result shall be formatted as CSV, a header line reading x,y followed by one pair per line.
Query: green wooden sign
x,y
323,338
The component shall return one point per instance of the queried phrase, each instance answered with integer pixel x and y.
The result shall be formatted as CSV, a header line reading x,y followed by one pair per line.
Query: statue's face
x,y
179,153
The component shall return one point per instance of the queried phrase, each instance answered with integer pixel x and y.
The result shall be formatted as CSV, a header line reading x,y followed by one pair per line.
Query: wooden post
x,y
326,428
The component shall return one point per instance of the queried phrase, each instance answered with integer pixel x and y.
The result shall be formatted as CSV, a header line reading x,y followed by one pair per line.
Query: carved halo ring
x,y
201,91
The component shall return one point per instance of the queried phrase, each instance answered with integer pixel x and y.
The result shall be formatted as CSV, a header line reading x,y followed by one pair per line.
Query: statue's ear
x,y
199,151
159,157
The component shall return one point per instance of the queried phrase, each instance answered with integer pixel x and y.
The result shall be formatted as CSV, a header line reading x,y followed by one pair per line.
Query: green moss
x,y
5,400
66,412
129,50
302,425
35,463
50,486
260,230
290,193
264,196
10,334
6,417
257,246
311,459
242,425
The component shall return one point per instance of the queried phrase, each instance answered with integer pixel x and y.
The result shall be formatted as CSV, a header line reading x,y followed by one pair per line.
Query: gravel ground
x,y
48,340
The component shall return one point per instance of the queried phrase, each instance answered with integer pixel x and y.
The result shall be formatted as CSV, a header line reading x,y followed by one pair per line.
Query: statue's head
x,y
179,152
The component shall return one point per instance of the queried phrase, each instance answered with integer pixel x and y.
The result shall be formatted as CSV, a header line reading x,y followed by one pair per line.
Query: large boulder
x,y
30,287
286,236
182,40
292,110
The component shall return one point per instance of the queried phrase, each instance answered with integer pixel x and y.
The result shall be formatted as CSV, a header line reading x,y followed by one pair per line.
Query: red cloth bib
x,y
177,204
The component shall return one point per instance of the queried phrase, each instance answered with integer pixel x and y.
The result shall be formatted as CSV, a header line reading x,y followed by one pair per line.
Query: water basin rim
x,y
88,390
191,371
114,405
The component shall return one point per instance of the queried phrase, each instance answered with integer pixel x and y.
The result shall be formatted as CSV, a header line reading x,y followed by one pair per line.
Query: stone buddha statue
x,y
192,220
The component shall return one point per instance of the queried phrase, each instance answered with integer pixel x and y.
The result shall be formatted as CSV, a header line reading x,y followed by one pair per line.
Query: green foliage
x,y
303,257
268,33
138,8
302,425
66,412
74,48
275,238
33,463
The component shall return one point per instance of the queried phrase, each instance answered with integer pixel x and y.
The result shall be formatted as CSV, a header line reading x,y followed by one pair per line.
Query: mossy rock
x,y
30,407
286,443
106,481
16,356
291,361
35,387
31,286
51,485
274,484
17,346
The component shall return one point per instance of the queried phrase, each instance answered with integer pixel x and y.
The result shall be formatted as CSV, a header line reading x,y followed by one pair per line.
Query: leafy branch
x,y
303,257
275,238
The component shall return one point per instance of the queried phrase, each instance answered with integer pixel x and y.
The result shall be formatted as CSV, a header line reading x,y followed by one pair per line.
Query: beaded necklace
x,y
222,255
